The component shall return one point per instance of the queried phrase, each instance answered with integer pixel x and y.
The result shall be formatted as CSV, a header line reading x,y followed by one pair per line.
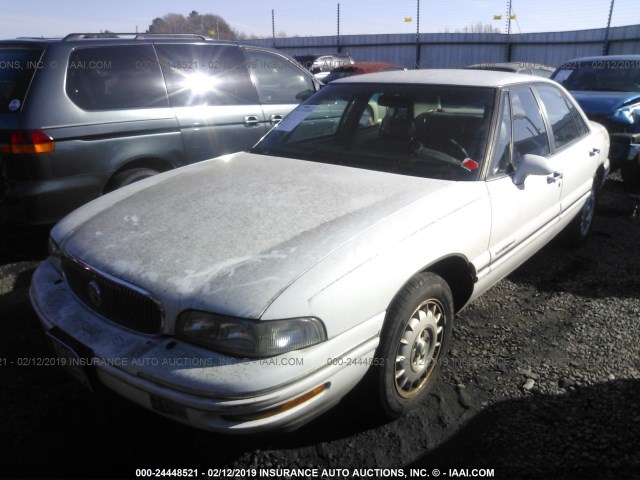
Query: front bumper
x,y
201,388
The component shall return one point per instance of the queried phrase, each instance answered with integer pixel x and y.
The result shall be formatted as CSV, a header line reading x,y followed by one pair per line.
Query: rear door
x,y
211,92
575,152
281,84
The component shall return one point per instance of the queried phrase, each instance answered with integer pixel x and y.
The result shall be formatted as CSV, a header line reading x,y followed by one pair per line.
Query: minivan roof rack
x,y
38,38
135,36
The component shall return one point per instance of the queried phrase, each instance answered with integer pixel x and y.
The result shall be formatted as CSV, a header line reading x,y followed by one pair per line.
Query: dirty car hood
x,y
228,235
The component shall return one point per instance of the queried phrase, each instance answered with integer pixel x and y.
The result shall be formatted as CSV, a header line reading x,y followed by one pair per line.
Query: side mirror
x,y
531,165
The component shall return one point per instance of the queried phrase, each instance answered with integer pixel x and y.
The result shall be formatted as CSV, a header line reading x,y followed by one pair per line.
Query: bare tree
x,y
478,27
207,24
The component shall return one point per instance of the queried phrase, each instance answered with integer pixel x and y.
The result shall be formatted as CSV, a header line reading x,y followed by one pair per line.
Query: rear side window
x,y
278,79
563,125
17,66
122,76
206,75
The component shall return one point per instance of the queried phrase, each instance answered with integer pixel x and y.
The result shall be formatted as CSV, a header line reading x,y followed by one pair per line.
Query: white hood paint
x,y
230,234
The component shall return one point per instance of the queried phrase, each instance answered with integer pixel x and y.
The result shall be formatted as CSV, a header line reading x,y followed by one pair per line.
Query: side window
x,y
123,76
583,129
529,132
563,125
206,75
501,159
278,80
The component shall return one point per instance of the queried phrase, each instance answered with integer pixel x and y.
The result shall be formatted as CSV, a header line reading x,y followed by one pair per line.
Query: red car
x,y
360,68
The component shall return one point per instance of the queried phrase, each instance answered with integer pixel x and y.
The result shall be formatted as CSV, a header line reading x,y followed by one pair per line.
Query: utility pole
x,y
273,27
605,45
507,38
417,63
338,35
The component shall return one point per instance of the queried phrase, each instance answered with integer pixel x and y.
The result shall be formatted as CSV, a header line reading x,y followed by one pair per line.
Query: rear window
x,y
123,76
17,66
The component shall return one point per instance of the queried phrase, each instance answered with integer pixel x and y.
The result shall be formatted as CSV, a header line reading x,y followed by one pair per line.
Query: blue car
x,y
608,90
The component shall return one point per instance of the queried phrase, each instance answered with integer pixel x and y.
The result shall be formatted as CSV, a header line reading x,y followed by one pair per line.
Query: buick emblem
x,y
95,295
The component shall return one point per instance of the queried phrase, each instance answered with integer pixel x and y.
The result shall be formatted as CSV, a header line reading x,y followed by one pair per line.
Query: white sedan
x,y
251,292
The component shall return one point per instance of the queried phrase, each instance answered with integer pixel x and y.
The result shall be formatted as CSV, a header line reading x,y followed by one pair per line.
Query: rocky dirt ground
x,y
542,381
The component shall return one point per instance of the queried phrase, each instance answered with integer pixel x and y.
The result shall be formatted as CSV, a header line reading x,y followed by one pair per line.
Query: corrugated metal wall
x,y
453,50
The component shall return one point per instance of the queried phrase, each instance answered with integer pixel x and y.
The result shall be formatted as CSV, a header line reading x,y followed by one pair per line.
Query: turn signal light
x,y
28,141
282,408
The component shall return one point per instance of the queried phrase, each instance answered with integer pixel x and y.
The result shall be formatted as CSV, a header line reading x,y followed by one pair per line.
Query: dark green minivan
x,y
89,113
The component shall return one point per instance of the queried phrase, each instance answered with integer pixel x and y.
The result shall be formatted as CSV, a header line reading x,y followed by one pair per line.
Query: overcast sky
x,y
311,18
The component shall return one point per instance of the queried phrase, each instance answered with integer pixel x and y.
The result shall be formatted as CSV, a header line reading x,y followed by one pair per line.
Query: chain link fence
x,y
349,17
452,34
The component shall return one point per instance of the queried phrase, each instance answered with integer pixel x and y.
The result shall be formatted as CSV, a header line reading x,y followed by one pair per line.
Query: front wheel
x,y
414,340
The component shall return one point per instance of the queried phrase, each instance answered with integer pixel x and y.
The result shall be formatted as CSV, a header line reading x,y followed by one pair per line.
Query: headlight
x,y
54,254
629,114
249,338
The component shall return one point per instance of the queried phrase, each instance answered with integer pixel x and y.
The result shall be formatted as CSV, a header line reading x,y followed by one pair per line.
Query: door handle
x,y
251,121
554,177
594,152
276,119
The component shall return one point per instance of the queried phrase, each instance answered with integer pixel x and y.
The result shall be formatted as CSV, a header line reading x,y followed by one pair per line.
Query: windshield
x,y
600,75
16,69
427,131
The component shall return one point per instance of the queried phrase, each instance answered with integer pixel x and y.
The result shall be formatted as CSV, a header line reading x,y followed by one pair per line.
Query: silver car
x,y
253,291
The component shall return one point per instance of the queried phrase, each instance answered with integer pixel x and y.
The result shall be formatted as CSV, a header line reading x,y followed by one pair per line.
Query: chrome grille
x,y
113,299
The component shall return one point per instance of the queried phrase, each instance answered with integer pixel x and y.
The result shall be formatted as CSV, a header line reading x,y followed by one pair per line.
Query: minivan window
x,y
206,75
17,66
278,79
123,76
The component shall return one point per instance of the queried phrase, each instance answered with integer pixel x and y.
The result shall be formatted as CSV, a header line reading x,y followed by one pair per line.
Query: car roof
x,y
459,77
515,66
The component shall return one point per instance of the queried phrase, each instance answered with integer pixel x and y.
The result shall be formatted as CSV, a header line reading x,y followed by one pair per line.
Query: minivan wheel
x,y
128,177
414,340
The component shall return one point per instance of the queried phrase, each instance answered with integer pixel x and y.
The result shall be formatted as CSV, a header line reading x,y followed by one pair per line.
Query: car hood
x,y
604,103
229,235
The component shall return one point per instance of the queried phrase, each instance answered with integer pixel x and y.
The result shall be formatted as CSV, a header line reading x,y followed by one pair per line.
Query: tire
x,y
127,177
414,340
580,227
630,171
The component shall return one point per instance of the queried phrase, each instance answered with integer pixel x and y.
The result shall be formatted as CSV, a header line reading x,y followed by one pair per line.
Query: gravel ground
x,y
542,381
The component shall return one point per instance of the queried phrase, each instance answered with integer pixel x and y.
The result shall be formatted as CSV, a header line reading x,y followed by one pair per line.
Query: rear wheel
x,y
127,177
580,227
414,340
